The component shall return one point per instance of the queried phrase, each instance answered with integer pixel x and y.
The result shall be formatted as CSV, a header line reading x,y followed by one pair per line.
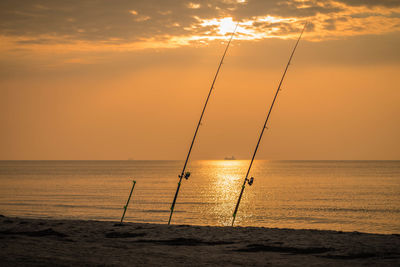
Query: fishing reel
x,y
186,176
250,181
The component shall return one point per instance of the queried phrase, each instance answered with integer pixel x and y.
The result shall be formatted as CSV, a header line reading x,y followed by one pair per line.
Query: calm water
x,y
337,195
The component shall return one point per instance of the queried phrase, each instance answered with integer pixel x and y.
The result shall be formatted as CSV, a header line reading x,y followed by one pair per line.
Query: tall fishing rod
x,y
247,180
187,174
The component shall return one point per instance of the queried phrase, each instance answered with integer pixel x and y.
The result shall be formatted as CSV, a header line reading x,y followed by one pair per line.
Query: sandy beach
x,y
42,242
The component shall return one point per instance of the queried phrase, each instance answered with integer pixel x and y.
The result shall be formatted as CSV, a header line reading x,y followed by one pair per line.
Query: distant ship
x,y
230,158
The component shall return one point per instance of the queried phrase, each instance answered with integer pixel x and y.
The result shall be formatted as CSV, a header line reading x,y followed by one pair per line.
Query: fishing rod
x,y
251,180
187,174
127,202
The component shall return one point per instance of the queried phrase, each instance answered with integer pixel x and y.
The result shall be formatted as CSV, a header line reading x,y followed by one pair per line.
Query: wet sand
x,y
41,242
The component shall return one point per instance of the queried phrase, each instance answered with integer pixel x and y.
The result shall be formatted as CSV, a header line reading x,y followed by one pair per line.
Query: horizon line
x,y
198,159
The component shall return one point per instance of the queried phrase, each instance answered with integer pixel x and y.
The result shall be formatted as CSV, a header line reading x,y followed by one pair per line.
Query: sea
x,y
361,196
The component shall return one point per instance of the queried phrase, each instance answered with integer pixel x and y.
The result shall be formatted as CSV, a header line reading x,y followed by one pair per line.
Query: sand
x,y
42,242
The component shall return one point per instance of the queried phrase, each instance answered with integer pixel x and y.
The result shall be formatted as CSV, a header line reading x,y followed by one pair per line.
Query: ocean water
x,y
334,195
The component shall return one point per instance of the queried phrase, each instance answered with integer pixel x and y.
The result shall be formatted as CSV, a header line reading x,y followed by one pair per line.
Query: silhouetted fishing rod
x,y
247,180
127,202
187,174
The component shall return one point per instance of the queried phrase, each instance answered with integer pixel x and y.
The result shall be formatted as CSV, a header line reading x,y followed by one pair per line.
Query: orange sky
x,y
127,79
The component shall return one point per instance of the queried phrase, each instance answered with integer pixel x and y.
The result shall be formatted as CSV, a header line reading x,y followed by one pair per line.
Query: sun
x,y
226,25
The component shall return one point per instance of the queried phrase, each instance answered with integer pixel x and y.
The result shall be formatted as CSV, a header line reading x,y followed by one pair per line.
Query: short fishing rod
x,y
251,180
187,174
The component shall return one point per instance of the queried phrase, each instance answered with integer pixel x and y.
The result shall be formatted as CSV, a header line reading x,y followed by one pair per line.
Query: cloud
x,y
99,20
385,3
124,24
254,8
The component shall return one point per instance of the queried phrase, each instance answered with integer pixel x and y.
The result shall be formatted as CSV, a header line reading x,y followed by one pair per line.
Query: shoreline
x,y
45,242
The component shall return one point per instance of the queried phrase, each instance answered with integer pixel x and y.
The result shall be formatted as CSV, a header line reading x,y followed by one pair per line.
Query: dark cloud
x,y
374,14
281,8
386,3
284,27
329,24
102,20
41,41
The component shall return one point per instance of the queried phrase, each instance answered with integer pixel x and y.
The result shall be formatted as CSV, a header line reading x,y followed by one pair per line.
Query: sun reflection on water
x,y
226,178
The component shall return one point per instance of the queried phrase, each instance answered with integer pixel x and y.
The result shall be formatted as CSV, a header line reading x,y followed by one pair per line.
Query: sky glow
x,y
126,79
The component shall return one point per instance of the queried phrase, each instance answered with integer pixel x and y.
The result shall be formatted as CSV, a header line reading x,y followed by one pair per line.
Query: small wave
x,y
361,210
156,211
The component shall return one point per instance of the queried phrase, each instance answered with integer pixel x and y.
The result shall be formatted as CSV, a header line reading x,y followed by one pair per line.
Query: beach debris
x,y
123,235
283,249
246,180
180,241
40,233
